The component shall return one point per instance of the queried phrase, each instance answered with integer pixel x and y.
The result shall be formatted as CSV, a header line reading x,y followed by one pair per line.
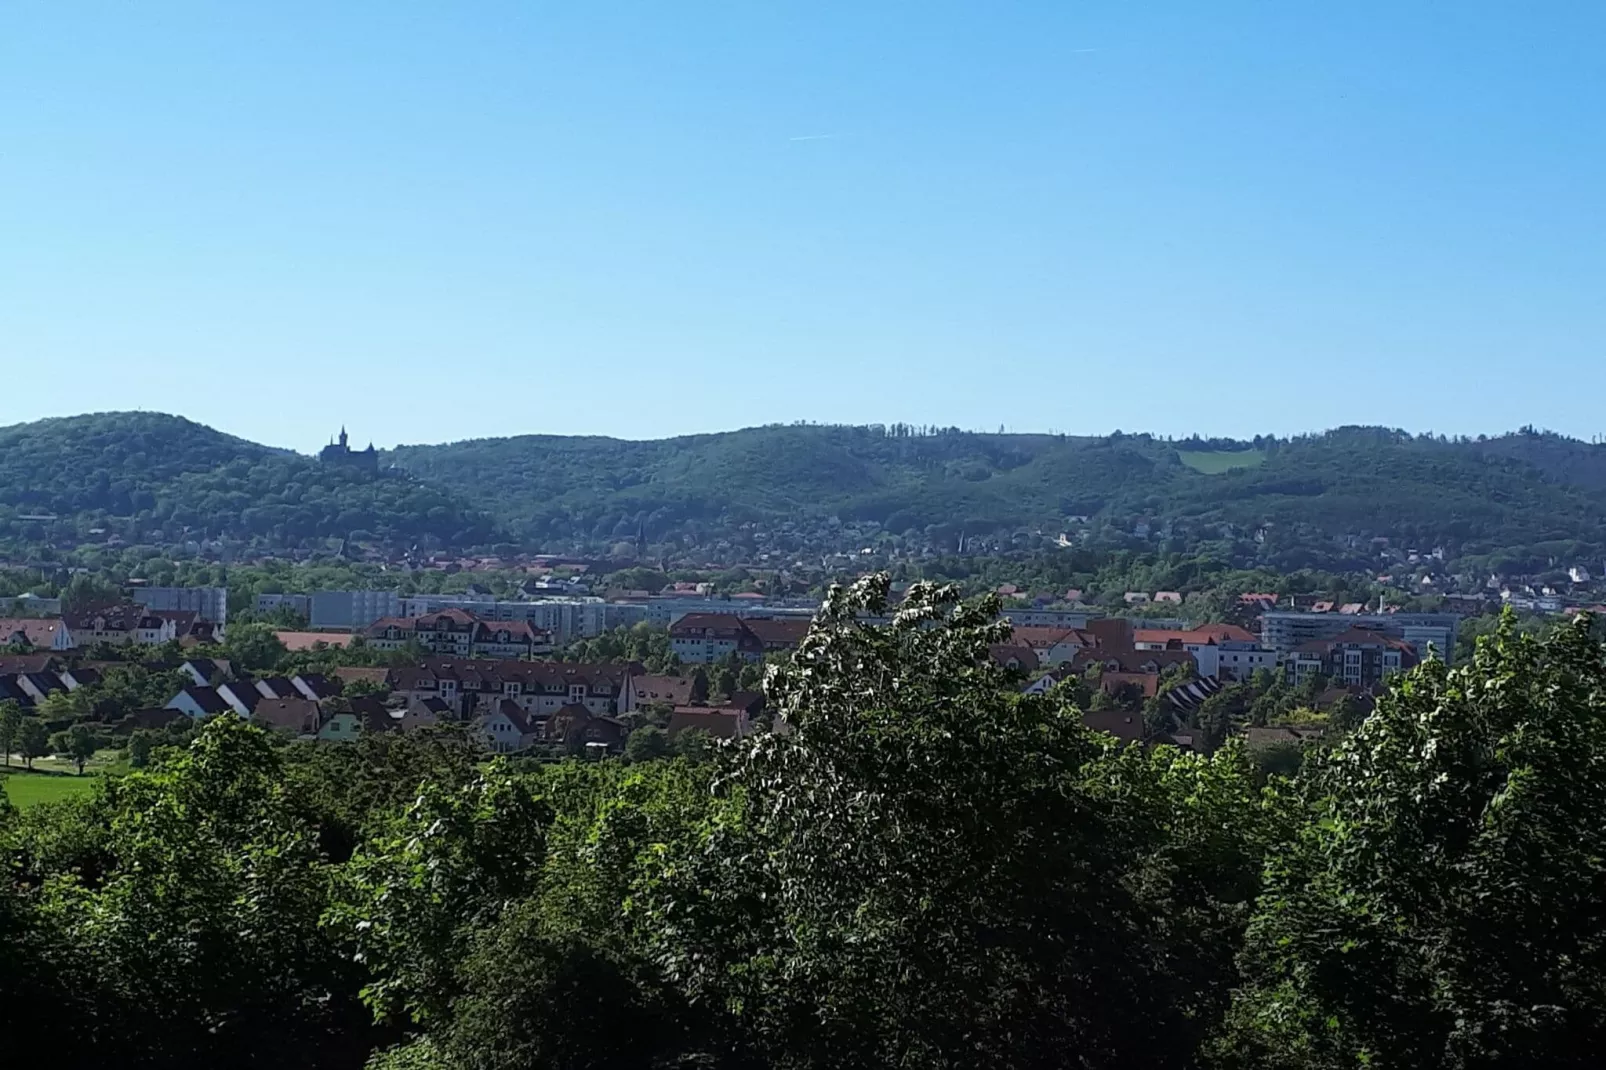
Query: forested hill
x,y
1527,492
147,477
151,478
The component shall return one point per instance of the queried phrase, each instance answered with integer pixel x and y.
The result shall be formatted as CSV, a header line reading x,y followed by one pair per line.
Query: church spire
x,y
342,436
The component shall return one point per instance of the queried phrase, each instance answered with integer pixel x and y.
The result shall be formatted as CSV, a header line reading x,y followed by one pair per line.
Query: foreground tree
x,y
181,911
930,869
1445,903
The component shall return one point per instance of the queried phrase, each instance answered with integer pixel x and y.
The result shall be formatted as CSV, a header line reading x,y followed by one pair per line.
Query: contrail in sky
x,y
812,137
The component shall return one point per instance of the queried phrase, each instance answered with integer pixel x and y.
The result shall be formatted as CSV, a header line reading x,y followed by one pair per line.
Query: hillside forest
x,y
1511,502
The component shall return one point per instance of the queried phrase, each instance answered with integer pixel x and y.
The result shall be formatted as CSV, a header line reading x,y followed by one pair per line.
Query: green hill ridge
x,y
1529,496
149,477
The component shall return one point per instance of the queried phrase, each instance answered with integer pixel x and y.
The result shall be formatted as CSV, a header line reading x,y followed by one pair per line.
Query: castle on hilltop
x,y
342,454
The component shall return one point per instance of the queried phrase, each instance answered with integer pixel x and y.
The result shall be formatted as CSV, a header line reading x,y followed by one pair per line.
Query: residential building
x,y
299,604
30,605
645,691
720,722
277,687
83,676
1127,727
199,701
1285,632
210,604
40,685
704,638
1358,657
1053,645
669,608
11,691
38,661
1283,735
505,729
1223,651
1140,685
207,671
154,718
458,633
566,619
1016,657
241,695
35,633
292,716
315,686
468,688
339,726
576,728
778,633
352,610
1048,618
1115,660
118,625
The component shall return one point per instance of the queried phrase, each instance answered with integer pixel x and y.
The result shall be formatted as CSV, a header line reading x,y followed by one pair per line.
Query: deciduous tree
x,y
1442,905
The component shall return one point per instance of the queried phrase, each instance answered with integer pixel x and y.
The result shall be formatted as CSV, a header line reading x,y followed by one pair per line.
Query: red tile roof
x,y
39,632
309,640
1208,633
287,714
719,723
778,631
720,625
1040,637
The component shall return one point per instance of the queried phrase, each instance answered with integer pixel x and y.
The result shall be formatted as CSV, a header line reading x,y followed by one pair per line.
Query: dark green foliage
x,y
1443,907
136,473
1510,502
184,930
1514,494
10,728
33,740
933,870
922,867
646,743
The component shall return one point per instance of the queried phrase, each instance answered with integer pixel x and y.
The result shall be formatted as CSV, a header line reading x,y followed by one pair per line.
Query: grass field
x,y
1215,462
28,789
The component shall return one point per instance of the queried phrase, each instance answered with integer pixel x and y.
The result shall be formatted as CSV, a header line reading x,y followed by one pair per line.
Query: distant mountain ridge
x,y
1529,492
1526,494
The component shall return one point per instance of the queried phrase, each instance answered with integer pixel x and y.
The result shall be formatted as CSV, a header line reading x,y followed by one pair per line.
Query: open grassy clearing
x,y
1215,462
26,789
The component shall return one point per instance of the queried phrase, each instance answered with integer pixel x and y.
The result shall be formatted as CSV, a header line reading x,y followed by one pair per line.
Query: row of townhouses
x,y
124,624
508,704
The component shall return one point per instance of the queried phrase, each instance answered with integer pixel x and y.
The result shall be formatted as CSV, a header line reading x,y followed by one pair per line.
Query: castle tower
x,y
342,438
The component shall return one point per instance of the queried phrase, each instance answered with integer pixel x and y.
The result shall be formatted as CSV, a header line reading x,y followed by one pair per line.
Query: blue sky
x,y
432,222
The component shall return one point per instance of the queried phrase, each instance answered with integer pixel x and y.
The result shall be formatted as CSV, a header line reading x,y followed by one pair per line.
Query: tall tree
x,y
33,740
10,728
932,869
1442,905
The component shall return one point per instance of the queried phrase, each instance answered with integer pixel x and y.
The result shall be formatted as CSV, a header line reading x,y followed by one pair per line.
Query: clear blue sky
x,y
435,221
